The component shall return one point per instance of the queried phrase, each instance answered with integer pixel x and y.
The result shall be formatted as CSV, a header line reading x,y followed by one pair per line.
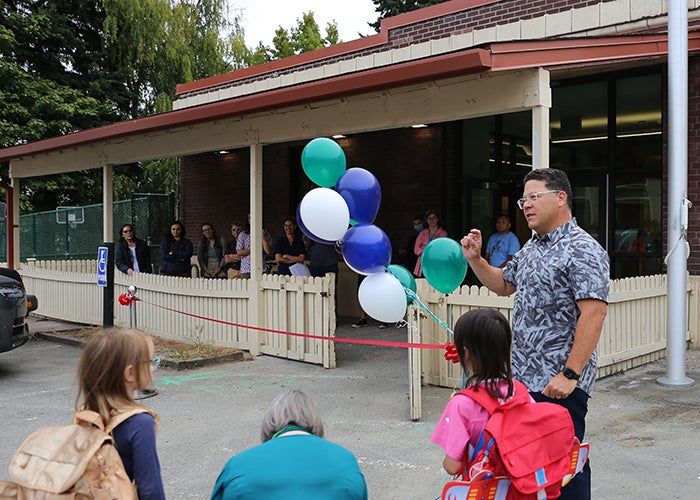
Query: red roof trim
x,y
287,62
357,45
527,54
471,61
497,57
439,10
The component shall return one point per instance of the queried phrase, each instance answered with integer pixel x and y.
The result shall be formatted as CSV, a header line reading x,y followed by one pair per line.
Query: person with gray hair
x,y
293,461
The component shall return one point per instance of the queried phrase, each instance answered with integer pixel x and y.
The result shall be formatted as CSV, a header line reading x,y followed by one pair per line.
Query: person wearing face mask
x,y
408,252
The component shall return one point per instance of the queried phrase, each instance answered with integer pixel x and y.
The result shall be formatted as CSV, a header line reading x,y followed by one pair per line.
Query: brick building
x,y
449,106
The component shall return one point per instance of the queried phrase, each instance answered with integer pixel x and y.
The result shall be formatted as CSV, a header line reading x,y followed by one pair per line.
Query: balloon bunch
x,y
341,212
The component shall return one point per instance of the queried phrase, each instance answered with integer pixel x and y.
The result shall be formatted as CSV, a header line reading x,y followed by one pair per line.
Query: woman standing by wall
x,y
176,252
132,254
427,235
210,253
290,248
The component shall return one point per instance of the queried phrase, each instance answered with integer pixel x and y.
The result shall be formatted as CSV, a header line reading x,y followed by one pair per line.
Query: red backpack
x,y
525,451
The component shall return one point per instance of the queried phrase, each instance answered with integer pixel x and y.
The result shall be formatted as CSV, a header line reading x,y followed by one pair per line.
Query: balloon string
x,y
416,300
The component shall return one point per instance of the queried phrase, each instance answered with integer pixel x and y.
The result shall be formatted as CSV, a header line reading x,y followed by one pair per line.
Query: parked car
x,y
15,306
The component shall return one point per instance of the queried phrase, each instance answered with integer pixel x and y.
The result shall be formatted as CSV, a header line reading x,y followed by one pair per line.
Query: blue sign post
x,y
105,279
102,255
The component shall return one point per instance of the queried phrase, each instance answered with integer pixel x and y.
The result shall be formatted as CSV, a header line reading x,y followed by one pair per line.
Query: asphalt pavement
x,y
644,436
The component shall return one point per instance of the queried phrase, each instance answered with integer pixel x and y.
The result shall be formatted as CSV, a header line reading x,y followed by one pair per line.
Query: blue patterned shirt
x,y
551,273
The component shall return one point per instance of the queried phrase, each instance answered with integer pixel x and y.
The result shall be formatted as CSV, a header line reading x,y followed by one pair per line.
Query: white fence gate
x,y
197,309
634,332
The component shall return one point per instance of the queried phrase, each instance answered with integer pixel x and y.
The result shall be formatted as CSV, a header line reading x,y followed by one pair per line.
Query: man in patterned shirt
x,y
561,278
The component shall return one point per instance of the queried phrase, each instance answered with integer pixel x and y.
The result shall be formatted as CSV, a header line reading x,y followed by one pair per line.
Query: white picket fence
x,y
197,309
634,332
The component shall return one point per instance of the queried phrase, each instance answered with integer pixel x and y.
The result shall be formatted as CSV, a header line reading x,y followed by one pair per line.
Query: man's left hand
x,y
559,387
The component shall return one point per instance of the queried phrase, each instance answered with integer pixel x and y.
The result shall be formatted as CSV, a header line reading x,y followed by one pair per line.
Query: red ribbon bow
x,y
451,352
126,299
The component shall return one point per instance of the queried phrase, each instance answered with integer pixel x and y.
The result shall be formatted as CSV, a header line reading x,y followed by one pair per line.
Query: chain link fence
x,y
72,233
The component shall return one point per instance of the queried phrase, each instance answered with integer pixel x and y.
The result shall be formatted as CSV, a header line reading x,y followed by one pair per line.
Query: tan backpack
x,y
75,462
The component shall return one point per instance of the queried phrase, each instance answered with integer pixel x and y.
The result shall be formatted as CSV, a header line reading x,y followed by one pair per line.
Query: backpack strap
x,y
521,395
121,417
89,417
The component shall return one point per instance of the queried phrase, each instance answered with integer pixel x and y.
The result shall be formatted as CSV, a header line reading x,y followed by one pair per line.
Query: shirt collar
x,y
558,233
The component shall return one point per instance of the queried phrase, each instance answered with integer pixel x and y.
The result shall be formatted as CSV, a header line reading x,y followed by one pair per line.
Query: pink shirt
x,y
425,237
461,424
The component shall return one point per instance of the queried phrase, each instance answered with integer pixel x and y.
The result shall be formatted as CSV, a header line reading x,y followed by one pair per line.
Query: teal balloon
x,y
405,278
323,161
444,264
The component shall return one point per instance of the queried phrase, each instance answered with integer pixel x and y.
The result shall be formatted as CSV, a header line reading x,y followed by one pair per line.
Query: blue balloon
x,y
360,190
308,233
366,249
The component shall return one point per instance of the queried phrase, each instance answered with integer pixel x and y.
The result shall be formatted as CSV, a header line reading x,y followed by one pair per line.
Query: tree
x,y
304,37
78,64
166,45
43,49
389,8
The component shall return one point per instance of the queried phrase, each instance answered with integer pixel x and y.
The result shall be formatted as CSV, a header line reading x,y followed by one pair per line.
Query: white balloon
x,y
325,213
382,296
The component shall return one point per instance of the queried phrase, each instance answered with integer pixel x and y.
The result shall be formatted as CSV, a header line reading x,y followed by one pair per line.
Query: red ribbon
x,y
128,298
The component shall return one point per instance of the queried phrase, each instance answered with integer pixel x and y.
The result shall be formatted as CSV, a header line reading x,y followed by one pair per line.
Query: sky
x,y
262,17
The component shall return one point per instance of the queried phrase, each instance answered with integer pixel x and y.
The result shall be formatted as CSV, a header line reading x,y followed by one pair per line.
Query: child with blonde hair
x,y
114,364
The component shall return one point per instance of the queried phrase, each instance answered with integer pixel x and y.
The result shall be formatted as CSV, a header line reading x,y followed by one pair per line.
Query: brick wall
x,y
407,162
482,17
485,16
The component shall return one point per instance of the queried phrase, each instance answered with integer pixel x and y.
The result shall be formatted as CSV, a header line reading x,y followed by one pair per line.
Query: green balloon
x,y
444,264
405,278
323,161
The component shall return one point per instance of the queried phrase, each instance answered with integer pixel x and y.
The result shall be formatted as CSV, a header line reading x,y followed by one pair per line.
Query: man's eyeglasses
x,y
534,197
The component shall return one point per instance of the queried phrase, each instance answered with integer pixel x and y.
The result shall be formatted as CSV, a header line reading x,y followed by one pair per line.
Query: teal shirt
x,y
301,466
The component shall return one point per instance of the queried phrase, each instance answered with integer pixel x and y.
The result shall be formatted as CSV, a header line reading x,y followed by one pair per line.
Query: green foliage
x,y
389,8
72,65
305,36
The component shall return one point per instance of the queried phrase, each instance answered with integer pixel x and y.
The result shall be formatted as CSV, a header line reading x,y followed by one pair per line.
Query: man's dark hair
x,y
554,180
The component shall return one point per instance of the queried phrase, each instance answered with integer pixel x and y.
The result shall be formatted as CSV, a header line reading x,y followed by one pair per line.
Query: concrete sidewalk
x,y
645,437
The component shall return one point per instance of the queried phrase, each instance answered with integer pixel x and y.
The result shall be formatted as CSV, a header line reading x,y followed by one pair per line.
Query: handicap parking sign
x,y
102,266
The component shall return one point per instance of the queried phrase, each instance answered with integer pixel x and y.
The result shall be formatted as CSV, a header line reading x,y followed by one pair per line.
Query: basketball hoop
x,y
72,216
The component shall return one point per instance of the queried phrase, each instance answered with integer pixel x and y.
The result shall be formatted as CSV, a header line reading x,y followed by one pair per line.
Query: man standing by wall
x,y
503,244
561,278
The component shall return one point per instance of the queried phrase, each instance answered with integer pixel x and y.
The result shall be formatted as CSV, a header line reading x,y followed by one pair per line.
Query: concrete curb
x,y
175,364
59,339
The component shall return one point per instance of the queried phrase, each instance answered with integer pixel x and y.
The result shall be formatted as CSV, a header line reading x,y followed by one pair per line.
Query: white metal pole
x,y
132,308
677,258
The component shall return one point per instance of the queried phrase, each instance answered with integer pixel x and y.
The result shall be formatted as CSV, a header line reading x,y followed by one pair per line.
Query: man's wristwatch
x,y
570,374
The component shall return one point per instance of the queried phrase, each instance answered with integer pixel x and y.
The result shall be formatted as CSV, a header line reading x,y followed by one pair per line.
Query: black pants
x,y
577,403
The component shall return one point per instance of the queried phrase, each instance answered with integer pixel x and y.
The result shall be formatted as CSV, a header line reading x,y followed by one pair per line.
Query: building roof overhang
x,y
495,57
